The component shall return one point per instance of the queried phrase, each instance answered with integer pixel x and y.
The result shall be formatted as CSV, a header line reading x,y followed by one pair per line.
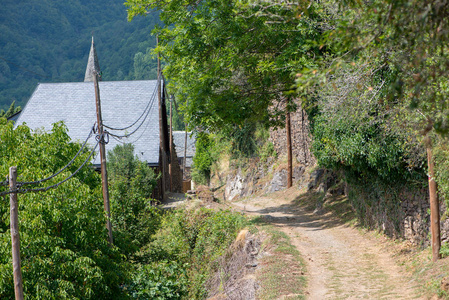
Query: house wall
x,y
176,171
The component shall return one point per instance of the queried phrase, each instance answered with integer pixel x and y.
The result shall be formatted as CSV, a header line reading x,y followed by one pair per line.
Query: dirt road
x,y
342,262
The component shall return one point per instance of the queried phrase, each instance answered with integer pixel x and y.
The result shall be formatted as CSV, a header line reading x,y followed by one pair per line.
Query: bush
x,y
132,182
194,239
160,280
203,159
64,243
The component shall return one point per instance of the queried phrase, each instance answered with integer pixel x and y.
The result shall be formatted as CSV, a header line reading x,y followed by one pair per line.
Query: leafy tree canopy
x,y
132,182
231,60
407,39
64,248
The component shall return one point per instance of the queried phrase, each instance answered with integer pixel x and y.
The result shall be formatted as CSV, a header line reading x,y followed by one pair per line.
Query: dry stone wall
x,y
301,138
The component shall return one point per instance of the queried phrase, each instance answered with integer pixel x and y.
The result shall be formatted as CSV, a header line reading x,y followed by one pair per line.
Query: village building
x,y
130,113
185,153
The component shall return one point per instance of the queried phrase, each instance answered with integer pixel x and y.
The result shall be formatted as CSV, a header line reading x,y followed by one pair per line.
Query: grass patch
x,y
419,263
282,270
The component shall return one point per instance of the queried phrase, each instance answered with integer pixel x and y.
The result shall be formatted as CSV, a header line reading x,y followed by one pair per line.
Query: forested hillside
x,y
49,41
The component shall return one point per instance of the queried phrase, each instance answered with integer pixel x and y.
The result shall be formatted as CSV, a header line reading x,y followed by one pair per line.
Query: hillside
x,y
49,41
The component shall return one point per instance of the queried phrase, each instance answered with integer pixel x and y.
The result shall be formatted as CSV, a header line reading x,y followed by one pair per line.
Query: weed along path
x,y
341,261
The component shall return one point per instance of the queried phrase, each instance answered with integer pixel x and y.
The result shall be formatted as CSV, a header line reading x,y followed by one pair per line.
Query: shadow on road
x,y
300,211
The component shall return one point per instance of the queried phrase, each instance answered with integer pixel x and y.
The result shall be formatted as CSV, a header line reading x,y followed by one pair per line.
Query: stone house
x,y
131,106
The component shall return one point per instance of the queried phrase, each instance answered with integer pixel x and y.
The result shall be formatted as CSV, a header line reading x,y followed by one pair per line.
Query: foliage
x,y
132,182
145,65
412,36
49,41
364,146
193,240
11,110
64,248
441,153
160,280
231,60
407,39
203,159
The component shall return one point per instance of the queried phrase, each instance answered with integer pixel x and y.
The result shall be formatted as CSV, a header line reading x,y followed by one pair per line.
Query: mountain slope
x,y
49,41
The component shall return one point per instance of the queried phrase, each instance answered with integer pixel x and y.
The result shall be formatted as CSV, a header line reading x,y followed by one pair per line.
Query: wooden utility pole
x,y
15,237
104,172
434,205
171,144
289,149
185,154
161,133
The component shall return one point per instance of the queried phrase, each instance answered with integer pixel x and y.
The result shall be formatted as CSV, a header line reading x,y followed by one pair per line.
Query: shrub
x,y
64,245
131,186
194,239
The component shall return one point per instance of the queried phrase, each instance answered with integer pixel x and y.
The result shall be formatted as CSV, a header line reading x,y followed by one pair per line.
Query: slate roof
x,y
179,141
122,103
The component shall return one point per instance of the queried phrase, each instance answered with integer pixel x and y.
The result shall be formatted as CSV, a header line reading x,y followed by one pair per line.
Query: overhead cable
x,y
140,125
140,117
63,168
44,189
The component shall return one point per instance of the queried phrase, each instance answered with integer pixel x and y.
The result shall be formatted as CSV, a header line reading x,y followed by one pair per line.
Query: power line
x,y
140,125
63,168
131,142
127,127
44,189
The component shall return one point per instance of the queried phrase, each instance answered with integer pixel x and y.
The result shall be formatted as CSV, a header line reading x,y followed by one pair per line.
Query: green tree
x,y
64,249
203,159
232,60
11,110
132,183
407,40
145,65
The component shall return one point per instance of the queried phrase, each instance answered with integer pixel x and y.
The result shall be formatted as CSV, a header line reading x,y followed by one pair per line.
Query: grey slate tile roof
x,y
122,103
179,141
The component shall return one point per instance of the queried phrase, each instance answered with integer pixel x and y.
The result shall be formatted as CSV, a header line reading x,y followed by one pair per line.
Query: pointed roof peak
x,y
92,64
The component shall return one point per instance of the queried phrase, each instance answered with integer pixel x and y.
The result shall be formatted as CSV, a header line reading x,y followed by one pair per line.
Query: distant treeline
x,y
49,41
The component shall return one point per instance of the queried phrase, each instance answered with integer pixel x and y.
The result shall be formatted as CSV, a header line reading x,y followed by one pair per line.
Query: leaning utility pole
x,y
171,144
104,172
15,237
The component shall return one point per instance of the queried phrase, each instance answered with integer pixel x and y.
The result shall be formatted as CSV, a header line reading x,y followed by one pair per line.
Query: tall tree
x,y
232,60
407,39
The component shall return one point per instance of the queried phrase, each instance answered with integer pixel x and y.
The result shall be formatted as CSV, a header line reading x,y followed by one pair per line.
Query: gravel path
x,y
342,262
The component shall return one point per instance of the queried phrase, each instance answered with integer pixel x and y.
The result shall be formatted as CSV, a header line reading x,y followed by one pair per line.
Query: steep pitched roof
x,y
122,103
179,141
92,64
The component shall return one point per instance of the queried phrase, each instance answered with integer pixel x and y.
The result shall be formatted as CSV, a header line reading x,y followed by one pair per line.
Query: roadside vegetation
x,y
64,243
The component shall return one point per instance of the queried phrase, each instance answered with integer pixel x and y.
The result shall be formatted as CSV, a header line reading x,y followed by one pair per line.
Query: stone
x,y
279,181
298,171
234,187
315,176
